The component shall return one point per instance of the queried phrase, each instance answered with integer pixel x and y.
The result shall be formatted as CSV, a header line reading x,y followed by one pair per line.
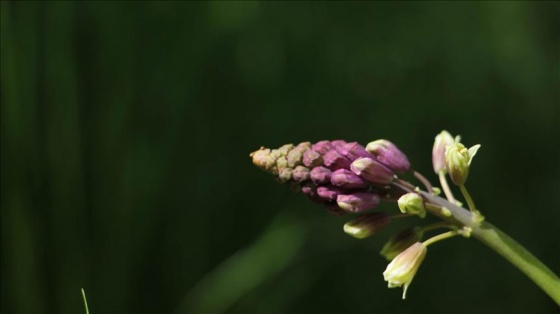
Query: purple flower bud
x,y
334,160
389,155
347,179
328,192
312,158
372,171
353,150
320,175
322,147
337,143
358,201
300,174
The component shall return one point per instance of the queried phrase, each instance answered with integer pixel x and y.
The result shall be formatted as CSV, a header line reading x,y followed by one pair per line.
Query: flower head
x,y
402,269
325,173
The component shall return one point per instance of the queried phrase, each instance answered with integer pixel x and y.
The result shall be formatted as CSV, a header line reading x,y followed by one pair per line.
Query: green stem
x,y
501,243
85,300
445,187
467,197
440,237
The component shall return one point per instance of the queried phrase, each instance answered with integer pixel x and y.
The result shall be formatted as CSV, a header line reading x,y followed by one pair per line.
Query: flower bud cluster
x,y
340,173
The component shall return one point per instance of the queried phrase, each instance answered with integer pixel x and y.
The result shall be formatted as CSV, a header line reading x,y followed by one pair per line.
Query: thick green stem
x,y
500,242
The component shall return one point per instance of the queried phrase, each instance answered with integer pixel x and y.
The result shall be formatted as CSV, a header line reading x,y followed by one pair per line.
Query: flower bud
x,y
347,179
263,160
352,150
412,203
366,225
295,156
334,160
312,158
337,143
320,175
402,269
458,159
300,174
358,201
372,171
285,175
322,147
389,155
442,140
400,242
281,163
284,149
328,192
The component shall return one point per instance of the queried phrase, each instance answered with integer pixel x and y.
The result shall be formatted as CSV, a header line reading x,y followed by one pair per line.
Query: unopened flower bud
x,y
442,140
320,175
337,143
352,150
281,163
285,175
334,160
300,174
328,192
402,269
347,179
322,147
263,160
284,149
372,171
458,159
366,225
295,156
312,158
389,155
400,242
412,203
357,202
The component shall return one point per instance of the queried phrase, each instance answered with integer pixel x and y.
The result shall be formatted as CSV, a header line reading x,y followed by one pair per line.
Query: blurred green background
x,y
126,129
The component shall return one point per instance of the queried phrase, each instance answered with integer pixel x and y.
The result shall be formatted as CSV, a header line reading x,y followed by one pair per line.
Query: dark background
x,y
126,129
